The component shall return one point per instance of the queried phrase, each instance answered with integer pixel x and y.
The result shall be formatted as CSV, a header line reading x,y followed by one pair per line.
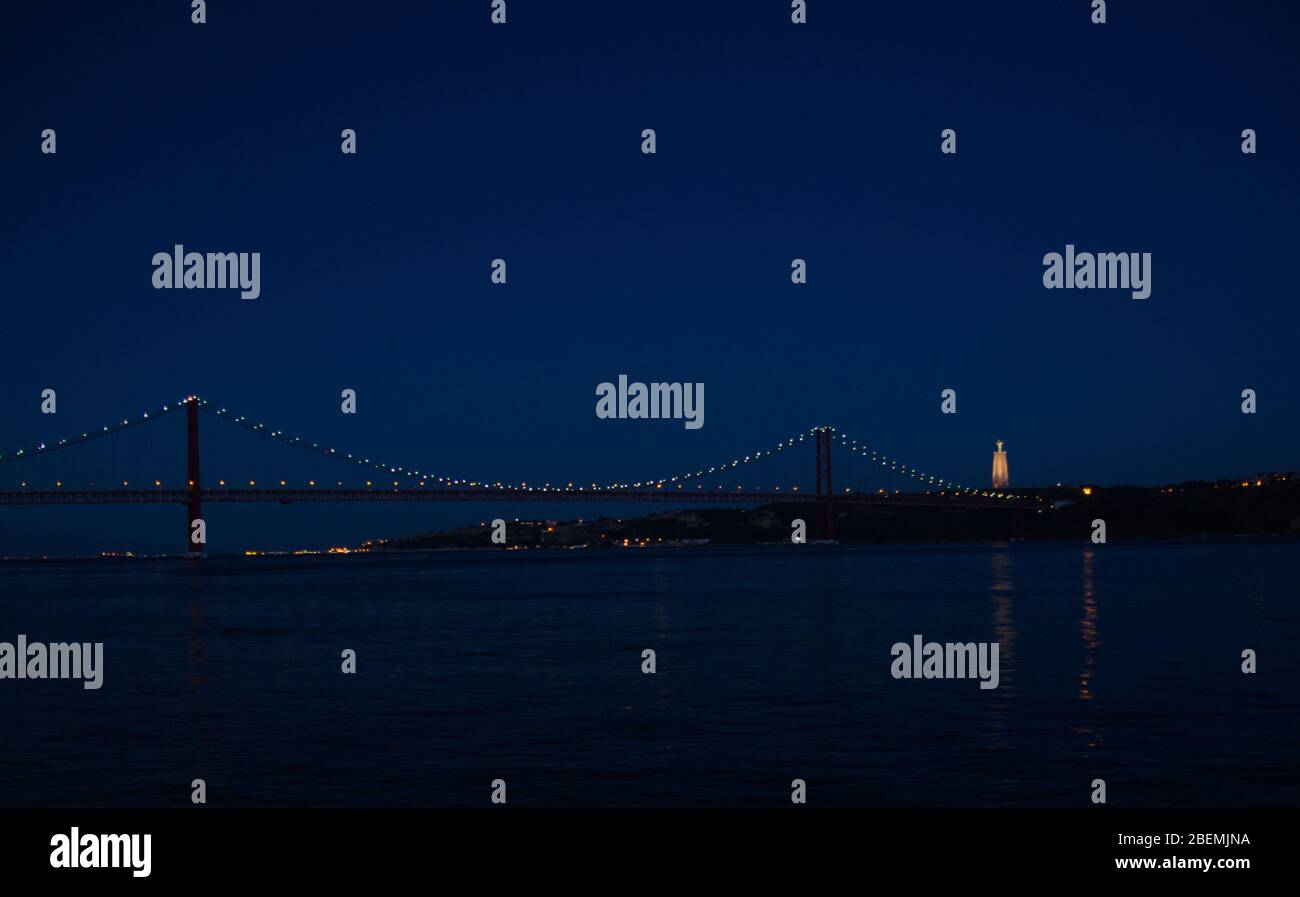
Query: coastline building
x,y
1001,479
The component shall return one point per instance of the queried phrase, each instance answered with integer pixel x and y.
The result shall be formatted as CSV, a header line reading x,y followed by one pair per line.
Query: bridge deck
x,y
662,496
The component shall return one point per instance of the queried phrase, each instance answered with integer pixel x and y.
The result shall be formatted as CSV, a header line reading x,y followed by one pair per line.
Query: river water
x,y
1120,662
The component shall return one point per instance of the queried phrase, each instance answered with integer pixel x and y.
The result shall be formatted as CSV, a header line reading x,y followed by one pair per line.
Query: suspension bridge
x,y
47,474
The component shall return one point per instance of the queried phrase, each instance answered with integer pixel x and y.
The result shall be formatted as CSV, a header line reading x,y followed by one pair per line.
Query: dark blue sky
x,y
776,141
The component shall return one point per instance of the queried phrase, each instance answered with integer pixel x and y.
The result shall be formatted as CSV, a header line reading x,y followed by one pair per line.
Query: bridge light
x,y
220,482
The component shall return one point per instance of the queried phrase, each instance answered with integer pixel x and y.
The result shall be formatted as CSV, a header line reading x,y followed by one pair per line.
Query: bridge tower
x,y
194,506
825,495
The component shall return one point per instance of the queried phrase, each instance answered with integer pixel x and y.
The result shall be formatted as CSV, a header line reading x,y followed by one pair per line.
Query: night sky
x,y
775,141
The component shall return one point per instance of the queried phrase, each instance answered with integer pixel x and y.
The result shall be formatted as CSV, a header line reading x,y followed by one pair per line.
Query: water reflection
x,y
1091,642
1004,633
1004,627
1088,627
198,648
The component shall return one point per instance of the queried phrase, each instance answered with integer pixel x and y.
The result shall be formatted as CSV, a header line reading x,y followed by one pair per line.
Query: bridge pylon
x,y
825,494
194,505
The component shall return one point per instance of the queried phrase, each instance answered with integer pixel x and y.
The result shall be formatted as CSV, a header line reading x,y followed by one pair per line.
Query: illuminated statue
x,y
1001,479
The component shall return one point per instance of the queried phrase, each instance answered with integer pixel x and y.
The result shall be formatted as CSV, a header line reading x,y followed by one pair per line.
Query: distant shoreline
x,y
411,552
1263,507
1266,505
